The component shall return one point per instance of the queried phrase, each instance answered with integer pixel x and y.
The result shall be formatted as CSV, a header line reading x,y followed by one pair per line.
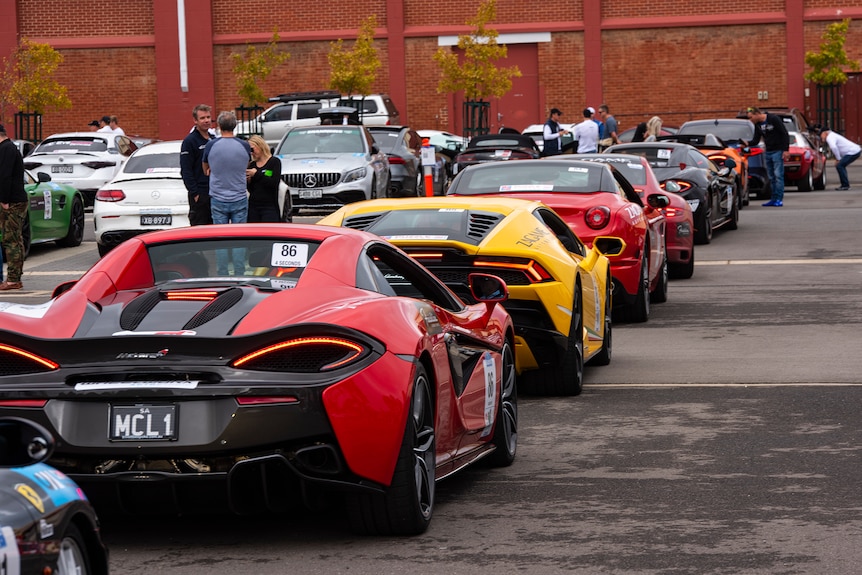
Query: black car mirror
x,y
23,442
658,201
730,163
43,177
488,288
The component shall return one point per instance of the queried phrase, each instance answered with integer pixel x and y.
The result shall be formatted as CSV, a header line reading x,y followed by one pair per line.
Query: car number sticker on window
x,y
635,166
163,170
490,369
289,255
451,210
527,188
415,237
502,153
664,154
581,170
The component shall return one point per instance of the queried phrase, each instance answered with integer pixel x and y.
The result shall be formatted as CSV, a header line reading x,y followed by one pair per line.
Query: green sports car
x,y
56,212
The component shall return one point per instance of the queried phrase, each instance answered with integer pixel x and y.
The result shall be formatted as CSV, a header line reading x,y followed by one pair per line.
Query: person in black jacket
x,y
551,134
191,166
777,142
13,210
263,176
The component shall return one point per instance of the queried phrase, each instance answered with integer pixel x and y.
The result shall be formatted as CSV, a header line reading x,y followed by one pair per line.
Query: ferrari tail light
x,y
597,217
532,269
304,355
97,165
16,361
671,212
110,195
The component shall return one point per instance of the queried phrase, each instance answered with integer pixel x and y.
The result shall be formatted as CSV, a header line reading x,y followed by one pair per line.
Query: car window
x,y
73,145
386,140
695,158
404,277
332,139
280,113
541,176
152,163
561,230
727,131
308,110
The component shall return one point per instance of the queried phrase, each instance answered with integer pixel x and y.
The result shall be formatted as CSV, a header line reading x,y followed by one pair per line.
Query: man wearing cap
x,y
105,125
587,134
845,152
13,210
94,125
552,133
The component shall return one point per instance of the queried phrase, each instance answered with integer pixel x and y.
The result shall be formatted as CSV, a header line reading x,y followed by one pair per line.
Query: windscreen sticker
x,y
635,166
663,154
527,188
23,310
451,210
289,255
163,170
579,170
490,368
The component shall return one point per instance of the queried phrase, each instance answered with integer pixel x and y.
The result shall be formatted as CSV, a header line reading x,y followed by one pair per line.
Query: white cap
x,y
591,109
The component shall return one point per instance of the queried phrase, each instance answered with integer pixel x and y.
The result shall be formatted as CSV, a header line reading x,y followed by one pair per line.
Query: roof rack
x,y
294,96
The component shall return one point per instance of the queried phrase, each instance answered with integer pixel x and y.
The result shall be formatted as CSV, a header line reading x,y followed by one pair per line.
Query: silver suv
x,y
294,109
326,167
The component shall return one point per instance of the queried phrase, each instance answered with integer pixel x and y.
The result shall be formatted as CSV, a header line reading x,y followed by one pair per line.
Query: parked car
x,y
334,366
680,220
291,110
736,133
495,148
326,167
47,525
805,166
567,141
710,191
559,290
147,194
403,148
26,147
626,136
597,202
374,109
444,140
83,160
719,152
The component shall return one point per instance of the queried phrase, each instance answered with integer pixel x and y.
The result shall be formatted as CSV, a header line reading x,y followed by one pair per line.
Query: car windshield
x,y
539,176
277,263
332,140
657,156
634,172
72,145
726,131
153,164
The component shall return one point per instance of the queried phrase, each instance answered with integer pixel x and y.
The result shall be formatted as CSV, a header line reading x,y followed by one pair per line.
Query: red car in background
x,y
596,201
805,166
679,232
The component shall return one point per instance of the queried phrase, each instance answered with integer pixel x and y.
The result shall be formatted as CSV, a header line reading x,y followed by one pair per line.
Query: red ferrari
x,y
679,231
805,166
318,360
595,200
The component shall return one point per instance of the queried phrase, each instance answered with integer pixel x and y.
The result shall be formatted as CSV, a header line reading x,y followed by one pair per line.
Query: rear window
x,y
725,131
152,163
386,141
516,177
73,145
276,263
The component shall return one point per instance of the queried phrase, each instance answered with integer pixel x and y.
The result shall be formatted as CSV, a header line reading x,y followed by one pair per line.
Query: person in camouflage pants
x,y
13,210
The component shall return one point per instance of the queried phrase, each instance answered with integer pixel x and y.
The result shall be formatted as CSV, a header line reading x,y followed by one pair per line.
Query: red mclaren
x,y
320,364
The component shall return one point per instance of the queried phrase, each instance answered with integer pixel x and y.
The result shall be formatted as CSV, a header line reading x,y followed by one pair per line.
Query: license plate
x,y
143,422
150,220
310,194
61,169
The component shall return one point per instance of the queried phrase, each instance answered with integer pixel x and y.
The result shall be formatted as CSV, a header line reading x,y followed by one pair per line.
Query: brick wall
x,y
84,18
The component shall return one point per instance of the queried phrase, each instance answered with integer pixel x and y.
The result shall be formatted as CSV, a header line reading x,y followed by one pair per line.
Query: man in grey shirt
x,y
225,160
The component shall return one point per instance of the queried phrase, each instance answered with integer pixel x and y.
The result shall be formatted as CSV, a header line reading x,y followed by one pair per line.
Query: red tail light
x,y
15,361
35,403
304,355
268,400
110,195
533,270
396,160
671,212
597,217
755,151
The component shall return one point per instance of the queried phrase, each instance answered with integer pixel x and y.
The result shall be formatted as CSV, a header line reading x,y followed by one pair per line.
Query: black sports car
x,y
495,148
46,523
710,191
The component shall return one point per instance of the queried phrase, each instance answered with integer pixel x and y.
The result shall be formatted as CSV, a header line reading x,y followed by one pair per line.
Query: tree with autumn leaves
x,y
829,64
27,79
354,71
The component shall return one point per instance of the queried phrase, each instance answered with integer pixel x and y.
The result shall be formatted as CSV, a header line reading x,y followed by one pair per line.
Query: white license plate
x,y
61,169
152,220
143,422
310,194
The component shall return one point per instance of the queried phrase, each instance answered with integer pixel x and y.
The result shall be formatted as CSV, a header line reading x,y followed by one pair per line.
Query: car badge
x,y
310,180
143,355
155,194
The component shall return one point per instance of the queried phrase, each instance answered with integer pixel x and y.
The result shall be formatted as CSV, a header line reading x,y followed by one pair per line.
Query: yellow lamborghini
x,y
559,291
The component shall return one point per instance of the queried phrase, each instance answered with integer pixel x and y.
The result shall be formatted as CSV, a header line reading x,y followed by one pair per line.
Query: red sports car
x,y
323,360
679,231
805,166
595,200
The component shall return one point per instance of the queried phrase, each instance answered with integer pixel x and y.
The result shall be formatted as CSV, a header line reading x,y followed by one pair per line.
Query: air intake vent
x,y
215,308
362,222
312,179
482,223
135,312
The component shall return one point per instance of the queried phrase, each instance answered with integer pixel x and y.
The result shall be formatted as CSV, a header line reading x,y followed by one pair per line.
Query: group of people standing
x,y
107,124
590,134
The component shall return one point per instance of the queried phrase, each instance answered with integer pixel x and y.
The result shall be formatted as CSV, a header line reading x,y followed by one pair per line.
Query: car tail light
x,y
16,361
396,160
794,158
110,195
532,269
597,217
304,355
32,165
32,403
671,212
190,295
266,400
96,165
755,151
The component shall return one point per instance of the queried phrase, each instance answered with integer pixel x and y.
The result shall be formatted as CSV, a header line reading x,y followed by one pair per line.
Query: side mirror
x,y
609,245
23,442
43,177
729,163
488,288
63,288
658,201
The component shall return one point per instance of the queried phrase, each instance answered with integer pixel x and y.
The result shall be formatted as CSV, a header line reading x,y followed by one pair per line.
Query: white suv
x,y
294,109
374,109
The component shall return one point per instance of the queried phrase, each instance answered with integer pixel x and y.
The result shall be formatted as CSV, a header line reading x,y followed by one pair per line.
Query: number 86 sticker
x,y
288,255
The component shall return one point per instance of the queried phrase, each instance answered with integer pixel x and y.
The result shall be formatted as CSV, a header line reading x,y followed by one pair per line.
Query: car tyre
x,y
406,506
659,294
733,220
606,353
568,377
103,249
506,425
820,182
75,234
72,558
638,311
683,271
703,233
806,184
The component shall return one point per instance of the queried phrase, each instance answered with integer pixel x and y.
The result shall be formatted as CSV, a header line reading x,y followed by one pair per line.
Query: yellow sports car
x,y
559,291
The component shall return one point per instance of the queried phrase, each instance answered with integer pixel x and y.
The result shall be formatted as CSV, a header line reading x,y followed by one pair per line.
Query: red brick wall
x,y
457,13
675,8
232,17
82,18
